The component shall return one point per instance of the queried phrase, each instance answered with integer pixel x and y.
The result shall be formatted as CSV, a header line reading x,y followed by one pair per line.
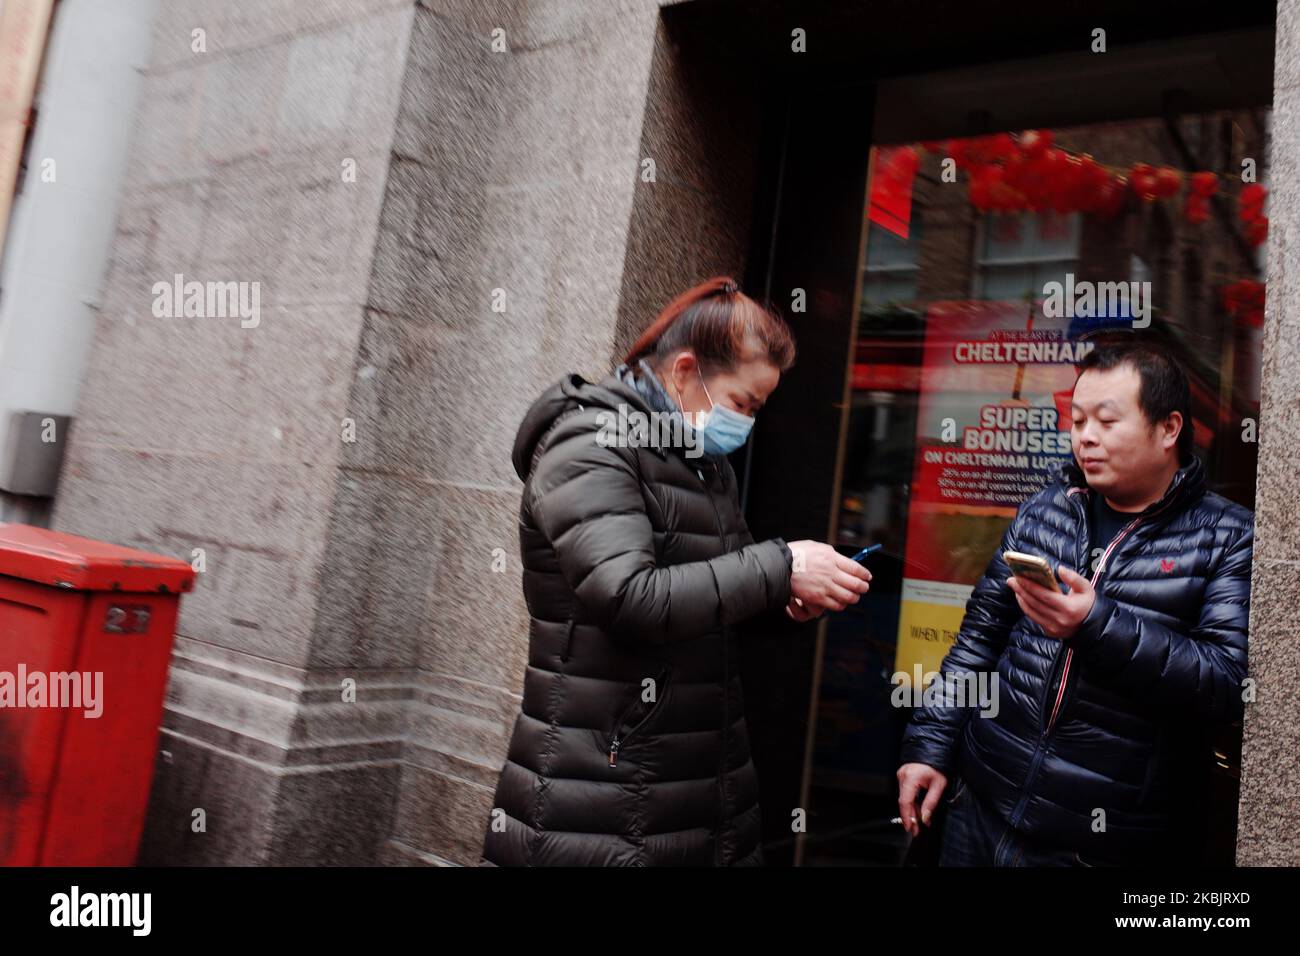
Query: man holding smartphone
x,y
1109,687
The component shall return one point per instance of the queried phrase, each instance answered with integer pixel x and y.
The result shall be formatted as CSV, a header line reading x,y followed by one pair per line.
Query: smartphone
x,y
1032,567
868,550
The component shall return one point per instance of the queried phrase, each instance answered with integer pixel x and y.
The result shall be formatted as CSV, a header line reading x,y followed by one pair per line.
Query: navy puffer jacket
x,y
1111,719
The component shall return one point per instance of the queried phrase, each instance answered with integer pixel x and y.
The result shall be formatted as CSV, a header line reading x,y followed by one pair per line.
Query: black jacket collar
x,y
1187,487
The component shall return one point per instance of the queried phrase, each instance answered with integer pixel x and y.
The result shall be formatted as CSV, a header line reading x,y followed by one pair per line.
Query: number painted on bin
x,y
128,619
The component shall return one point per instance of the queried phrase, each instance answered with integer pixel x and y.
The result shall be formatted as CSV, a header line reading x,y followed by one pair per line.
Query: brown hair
x,y
721,324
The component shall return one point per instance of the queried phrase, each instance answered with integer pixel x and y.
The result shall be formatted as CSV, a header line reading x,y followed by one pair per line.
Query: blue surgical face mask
x,y
722,430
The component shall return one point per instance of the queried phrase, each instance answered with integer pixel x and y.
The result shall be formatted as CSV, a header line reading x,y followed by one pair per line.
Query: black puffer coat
x,y
631,747
1111,718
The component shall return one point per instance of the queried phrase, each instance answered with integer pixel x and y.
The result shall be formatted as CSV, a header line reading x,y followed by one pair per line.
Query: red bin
x,y
86,631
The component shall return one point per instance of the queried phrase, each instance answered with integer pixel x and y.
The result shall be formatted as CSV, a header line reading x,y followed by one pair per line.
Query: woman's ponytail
x,y
720,324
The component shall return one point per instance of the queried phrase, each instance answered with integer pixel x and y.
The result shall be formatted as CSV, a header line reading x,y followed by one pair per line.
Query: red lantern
x,y
1204,185
1168,181
1196,209
1243,294
1072,186
999,146
1250,202
1095,172
1257,231
1244,301
1112,195
1142,179
1035,142
985,180
1016,172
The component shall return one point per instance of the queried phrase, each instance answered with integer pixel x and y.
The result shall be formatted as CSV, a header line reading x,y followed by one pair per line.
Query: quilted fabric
x,y
630,747
1115,718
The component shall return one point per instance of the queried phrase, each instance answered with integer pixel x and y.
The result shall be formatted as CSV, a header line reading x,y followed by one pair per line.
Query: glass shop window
x,y
972,245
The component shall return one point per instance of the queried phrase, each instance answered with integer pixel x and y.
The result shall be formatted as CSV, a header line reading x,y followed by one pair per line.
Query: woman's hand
x,y
822,579
801,612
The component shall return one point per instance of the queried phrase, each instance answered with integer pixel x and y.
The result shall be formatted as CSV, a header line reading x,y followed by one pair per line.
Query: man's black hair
x,y
1164,387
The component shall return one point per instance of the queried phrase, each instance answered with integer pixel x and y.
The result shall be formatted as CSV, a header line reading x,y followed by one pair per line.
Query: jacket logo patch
x,y
1167,565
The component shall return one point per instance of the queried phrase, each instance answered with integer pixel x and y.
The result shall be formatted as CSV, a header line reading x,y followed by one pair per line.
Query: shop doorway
x,y
960,196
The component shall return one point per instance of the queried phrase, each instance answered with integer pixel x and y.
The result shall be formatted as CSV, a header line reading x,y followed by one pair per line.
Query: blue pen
x,y
869,549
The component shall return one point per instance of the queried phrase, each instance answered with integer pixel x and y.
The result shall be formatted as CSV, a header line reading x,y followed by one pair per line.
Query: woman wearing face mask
x,y
630,747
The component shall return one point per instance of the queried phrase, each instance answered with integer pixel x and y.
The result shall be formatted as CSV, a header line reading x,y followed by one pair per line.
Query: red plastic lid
x,y
83,564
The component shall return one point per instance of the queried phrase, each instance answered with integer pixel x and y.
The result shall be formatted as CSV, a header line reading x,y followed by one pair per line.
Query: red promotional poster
x,y
992,429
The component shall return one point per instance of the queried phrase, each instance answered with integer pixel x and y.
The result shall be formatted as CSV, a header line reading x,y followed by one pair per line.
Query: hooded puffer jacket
x,y
1110,719
630,747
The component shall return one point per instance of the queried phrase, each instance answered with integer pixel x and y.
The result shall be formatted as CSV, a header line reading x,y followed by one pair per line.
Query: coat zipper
x,y
722,769
1040,752
1101,566
1069,653
661,684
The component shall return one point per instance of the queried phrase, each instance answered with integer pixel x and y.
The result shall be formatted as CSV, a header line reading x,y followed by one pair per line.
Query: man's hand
x,y
913,777
1059,615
